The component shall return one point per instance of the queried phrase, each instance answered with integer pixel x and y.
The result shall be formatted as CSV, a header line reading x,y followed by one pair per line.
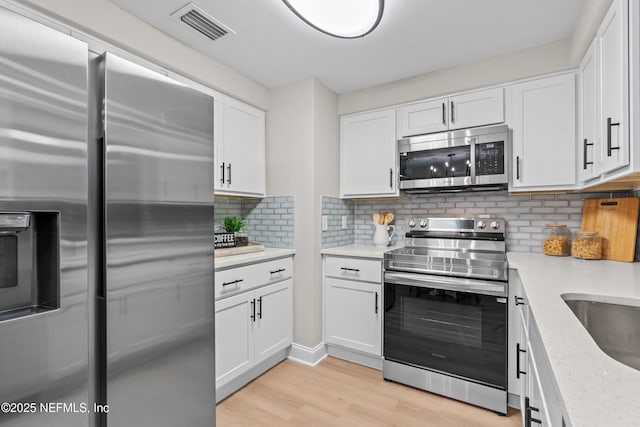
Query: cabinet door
x,y
612,41
424,117
273,326
515,337
243,149
544,133
368,155
524,363
218,135
476,109
234,340
536,412
589,138
353,317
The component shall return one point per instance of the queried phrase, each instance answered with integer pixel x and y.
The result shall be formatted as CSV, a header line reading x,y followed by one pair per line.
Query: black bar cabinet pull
x,y
528,418
233,282
280,270
517,167
229,173
253,309
355,270
609,126
518,300
222,173
453,116
376,303
260,308
518,351
444,118
390,177
584,154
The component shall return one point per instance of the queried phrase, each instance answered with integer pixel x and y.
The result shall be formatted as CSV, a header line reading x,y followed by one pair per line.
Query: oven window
x,y
437,163
456,333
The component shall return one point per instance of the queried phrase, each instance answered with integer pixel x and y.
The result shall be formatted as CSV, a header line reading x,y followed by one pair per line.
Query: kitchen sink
x,y
614,327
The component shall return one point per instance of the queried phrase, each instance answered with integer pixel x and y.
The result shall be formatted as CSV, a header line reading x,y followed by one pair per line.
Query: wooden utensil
x,y
384,218
388,218
376,218
616,221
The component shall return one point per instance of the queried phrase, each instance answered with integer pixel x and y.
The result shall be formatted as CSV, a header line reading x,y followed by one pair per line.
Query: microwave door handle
x,y
473,144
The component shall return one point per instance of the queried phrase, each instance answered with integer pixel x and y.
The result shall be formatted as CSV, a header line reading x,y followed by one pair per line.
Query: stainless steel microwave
x,y
473,159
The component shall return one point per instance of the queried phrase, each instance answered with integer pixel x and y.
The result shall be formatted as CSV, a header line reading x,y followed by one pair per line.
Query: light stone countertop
x,y
225,262
359,251
596,389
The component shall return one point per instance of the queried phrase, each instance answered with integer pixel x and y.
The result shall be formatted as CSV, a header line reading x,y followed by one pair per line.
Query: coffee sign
x,y
224,240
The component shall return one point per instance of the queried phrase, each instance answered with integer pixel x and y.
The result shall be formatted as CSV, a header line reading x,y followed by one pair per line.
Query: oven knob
x,y
495,225
482,225
412,223
423,224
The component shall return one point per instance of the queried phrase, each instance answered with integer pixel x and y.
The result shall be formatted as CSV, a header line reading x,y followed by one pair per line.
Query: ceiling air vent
x,y
199,20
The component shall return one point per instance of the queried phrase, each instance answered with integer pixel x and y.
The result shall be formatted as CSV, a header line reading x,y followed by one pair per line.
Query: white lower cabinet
x,y
353,304
251,327
234,340
530,373
353,315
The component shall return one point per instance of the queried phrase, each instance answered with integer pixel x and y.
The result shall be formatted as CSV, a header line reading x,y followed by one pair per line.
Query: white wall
x,y
107,22
588,22
500,69
302,158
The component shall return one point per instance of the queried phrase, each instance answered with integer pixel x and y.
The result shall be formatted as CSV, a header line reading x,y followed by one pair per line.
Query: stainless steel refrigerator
x,y
106,219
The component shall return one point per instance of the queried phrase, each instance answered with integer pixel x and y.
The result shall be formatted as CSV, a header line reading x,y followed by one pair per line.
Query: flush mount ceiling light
x,y
346,19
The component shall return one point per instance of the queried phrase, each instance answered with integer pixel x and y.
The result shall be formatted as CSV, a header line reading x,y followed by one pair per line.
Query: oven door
x,y
447,325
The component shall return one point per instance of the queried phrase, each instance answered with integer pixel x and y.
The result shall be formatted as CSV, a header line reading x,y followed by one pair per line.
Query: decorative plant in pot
x,y
235,224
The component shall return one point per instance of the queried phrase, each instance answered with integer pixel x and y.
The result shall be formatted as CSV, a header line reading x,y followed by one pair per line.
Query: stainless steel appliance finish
x,y
614,327
106,257
475,159
156,289
445,315
43,173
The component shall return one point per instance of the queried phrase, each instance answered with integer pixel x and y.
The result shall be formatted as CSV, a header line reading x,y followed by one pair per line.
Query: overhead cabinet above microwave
x,y
455,112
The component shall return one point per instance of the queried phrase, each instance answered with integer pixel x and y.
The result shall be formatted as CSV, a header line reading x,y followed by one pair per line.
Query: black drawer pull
x,y
277,271
260,309
518,351
355,270
233,282
253,310
518,300
376,308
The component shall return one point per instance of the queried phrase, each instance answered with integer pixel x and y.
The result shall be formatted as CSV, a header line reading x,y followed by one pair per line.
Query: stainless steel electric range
x,y
445,310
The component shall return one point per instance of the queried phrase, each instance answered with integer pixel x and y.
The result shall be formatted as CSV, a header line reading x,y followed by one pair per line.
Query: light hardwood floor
x,y
337,393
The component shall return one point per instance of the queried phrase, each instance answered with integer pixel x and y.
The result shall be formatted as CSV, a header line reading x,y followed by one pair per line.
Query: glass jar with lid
x,y
556,240
586,245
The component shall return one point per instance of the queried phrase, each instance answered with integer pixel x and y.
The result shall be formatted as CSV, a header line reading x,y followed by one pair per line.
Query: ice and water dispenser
x,y
29,263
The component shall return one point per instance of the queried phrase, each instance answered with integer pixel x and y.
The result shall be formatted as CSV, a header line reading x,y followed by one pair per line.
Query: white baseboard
x,y
307,355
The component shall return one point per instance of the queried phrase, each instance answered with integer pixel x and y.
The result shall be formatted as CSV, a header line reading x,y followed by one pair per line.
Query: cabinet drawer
x,y
236,280
240,279
275,271
366,270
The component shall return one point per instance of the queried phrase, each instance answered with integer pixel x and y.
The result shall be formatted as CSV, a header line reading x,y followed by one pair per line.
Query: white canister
x,y
381,236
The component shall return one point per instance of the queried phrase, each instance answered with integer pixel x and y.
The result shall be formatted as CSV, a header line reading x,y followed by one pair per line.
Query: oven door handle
x,y
472,286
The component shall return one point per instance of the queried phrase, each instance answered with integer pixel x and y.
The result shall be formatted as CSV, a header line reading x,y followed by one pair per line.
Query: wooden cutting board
x,y
617,222
251,247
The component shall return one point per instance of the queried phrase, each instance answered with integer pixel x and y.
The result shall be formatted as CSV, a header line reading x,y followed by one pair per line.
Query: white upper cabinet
x,y
612,42
589,146
476,109
456,112
423,117
239,148
368,155
544,133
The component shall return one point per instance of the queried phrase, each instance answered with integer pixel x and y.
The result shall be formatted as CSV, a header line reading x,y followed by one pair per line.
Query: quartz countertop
x,y
223,263
360,251
596,389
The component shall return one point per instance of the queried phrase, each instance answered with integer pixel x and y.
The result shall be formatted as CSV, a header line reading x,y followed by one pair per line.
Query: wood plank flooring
x,y
337,393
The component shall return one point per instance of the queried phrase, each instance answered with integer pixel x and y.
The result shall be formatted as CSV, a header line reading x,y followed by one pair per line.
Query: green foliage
x,y
232,224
